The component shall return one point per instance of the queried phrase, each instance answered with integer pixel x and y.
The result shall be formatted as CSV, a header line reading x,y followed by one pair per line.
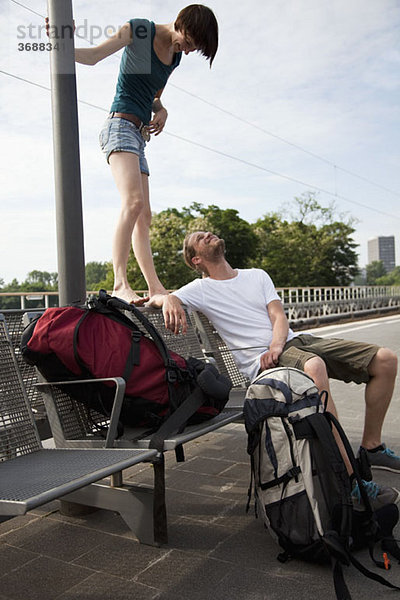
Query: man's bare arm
x,y
280,329
174,315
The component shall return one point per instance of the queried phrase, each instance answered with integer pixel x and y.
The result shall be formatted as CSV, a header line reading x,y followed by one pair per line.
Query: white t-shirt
x,y
238,309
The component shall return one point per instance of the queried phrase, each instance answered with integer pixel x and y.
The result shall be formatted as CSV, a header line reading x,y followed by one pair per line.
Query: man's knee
x,y
384,363
315,367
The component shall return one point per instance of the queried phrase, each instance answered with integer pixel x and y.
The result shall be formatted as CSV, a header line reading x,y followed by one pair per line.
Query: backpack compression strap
x,y
116,304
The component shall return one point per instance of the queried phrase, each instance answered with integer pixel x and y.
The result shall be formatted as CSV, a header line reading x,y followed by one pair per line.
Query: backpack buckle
x,y
172,375
136,335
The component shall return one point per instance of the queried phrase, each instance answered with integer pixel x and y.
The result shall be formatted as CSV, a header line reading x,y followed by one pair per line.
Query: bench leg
x,y
133,503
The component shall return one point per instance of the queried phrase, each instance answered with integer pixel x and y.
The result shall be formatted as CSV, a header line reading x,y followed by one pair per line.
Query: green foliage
x,y
311,250
240,238
375,270
42,280
96,273
36,281
168,231
311,247
392,278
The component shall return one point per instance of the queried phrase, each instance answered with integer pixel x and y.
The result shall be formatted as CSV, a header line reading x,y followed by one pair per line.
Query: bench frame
x,y
31,475
196,343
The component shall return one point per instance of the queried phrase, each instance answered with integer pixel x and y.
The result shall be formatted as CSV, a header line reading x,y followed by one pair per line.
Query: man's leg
x,y
378,393
315,367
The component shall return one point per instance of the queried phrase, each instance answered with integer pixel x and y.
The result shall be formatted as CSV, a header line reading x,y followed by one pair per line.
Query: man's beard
x,y
216,251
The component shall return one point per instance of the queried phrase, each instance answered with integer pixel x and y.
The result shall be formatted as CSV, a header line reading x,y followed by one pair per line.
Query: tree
x,y
96,272
392,278
312,249
375,270
338,254
240,239
43,280
168,231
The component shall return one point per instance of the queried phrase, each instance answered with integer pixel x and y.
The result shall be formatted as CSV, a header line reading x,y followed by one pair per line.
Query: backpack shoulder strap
x,y
349,451
115,304
99,306
177,418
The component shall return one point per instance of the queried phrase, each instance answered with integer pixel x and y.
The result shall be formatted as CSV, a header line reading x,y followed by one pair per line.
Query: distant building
x,y
382,248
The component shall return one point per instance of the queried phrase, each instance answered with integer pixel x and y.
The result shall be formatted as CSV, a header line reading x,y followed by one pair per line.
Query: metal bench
x,y
31,475
217,351
72,427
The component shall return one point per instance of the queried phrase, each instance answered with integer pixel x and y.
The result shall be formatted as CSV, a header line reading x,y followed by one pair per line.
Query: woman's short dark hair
x,y
200,24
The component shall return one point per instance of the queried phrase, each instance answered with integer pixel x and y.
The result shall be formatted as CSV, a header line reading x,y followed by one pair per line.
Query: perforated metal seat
x,y
216,349
29,474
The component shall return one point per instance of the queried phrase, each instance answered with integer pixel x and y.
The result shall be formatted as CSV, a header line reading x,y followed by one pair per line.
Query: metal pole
x,y
67,175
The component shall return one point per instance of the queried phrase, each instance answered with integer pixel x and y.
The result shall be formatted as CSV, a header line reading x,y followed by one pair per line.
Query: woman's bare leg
x,y
141,243
133,226
126,171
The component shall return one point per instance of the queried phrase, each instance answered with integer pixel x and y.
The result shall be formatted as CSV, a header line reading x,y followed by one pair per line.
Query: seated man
x,y
247,312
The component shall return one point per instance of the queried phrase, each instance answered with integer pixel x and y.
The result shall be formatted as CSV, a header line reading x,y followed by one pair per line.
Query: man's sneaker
x,y
378,495
385,459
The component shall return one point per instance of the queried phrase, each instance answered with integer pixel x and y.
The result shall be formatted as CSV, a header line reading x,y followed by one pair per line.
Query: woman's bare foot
x,y
154,291
130,296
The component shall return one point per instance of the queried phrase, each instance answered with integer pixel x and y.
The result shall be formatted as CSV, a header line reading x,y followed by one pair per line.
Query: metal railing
x,y
317,305
301,304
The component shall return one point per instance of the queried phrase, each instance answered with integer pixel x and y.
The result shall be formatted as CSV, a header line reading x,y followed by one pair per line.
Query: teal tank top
x,y
141,72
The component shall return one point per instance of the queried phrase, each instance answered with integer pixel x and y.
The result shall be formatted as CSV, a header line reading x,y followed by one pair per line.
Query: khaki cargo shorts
x,y
345,360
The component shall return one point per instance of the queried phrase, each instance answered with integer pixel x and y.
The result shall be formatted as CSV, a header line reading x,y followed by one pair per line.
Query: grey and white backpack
x,y
301,485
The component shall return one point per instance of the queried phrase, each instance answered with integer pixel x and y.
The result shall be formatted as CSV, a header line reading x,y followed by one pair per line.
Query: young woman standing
x,y
151,53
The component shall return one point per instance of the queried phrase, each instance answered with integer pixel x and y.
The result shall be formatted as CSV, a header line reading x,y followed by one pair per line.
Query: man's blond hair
x,y
189,252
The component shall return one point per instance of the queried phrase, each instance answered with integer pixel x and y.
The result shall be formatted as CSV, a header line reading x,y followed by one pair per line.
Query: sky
x,y
303,96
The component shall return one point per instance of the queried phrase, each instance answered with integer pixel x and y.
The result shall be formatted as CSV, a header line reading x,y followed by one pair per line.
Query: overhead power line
x,y
226,155
283,140
27,8
254,126
287,177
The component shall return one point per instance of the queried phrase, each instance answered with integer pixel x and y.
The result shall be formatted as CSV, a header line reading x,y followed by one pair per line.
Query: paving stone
x,y
252,585
183,575
100,520
16,523
249,549
206,466
42,579
58,540
199,507
102,586
13,558
121,557
193,536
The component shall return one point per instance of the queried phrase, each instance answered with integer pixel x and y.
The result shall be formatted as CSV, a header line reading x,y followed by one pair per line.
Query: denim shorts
x,y
120,135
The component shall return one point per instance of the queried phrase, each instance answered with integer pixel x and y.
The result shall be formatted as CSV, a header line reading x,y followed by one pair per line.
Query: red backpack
x,y
98,340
